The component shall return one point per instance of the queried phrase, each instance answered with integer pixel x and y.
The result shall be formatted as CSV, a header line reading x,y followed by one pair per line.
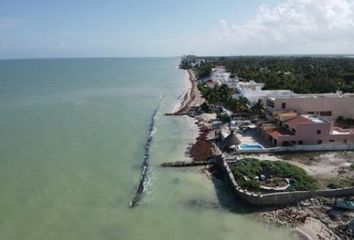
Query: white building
x,y
253,92
219,74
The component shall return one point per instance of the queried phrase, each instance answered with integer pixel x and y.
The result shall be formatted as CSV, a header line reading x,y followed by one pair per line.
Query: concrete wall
x,y
281,198
302,148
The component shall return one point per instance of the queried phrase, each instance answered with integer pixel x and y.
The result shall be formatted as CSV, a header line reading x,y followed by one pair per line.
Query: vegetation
x,y
352,166
203,70
216,95
258,108
245,172
221,95
299,74
185,64
204,107
340,183
345,122
333,185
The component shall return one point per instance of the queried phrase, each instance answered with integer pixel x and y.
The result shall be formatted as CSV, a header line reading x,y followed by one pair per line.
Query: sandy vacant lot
x,y
327,167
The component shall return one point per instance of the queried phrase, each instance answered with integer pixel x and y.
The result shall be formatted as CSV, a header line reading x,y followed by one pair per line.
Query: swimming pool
x,y
250,146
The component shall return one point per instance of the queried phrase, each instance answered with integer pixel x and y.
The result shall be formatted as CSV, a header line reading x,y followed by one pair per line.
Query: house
x,y
254,95
292,128
219,74
328,105
253,92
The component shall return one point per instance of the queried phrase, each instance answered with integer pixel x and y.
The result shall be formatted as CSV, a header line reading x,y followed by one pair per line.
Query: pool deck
x,y
250,146
251,136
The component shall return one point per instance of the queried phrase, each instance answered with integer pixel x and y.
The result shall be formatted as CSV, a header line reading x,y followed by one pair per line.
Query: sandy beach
x,y
191,98
303,220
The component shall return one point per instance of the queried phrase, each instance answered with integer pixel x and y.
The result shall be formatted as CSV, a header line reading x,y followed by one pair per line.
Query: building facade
x,y
331,105
308,119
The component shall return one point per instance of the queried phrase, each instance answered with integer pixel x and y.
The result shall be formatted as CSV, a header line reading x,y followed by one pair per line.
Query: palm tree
x,y
242,104
258,107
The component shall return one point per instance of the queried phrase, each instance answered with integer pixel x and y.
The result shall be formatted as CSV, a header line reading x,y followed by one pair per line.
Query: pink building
x,y
292,128
308,119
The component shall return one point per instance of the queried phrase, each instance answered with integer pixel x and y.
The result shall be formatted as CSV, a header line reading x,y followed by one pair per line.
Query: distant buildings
x,y
253,92
192,61
294,119
219,74
250,90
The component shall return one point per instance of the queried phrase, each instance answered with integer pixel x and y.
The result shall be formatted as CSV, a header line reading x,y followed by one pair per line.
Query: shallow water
x,y
72,143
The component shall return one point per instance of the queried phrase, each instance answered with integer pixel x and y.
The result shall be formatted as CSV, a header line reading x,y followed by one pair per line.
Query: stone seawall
x,y
281,198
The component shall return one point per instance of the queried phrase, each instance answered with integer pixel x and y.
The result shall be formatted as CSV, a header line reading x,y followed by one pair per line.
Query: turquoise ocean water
x,y
72,135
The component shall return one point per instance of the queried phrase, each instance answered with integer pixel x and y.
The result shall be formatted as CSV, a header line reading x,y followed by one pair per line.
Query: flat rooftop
x,y
319,95
304,119
314,119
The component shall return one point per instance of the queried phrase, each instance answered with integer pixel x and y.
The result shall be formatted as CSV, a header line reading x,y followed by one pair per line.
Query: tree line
x,y
299,74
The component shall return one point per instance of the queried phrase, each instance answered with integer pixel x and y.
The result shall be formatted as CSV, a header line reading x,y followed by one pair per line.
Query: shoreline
x,y
201,149
307,225
191,98
183,97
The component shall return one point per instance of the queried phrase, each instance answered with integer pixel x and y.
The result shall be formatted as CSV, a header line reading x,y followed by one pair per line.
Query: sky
x,y
162,28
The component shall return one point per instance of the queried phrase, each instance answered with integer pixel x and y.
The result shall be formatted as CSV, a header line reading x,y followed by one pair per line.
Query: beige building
x,y
330,105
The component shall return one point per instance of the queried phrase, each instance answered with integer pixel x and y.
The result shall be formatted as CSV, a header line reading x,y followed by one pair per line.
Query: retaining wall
x,y
281,198
301,148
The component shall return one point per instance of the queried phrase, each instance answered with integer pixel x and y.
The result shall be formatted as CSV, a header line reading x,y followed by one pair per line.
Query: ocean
x,y
72,137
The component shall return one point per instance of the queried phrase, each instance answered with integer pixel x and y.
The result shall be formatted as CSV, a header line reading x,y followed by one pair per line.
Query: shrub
x,y
333,186
251,185
205,108
251,168
352,166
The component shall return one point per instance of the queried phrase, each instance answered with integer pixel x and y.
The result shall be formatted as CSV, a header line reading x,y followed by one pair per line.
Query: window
x,y
301,142
283,105
326,113
331,140
310,113
270,103
319,142
293,142
293,129
345,141
318,131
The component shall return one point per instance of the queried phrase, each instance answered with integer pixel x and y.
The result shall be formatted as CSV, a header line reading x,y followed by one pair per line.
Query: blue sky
x,y
122,28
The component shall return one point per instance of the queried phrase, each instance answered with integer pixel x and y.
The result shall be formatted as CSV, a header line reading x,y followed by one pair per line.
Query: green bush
x,y
205,108
251,185
333,186
251,168
203,70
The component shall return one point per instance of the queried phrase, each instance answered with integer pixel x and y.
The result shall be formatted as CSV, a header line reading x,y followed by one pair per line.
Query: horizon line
x,y
231,55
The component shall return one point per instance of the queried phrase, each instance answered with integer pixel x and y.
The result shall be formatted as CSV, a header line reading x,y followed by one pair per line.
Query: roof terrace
x,y
319,95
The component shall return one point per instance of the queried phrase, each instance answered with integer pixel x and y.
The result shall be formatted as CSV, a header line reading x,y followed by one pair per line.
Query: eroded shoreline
x,y
307,225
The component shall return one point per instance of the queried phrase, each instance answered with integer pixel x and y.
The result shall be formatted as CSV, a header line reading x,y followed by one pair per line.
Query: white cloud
x,y
293,26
